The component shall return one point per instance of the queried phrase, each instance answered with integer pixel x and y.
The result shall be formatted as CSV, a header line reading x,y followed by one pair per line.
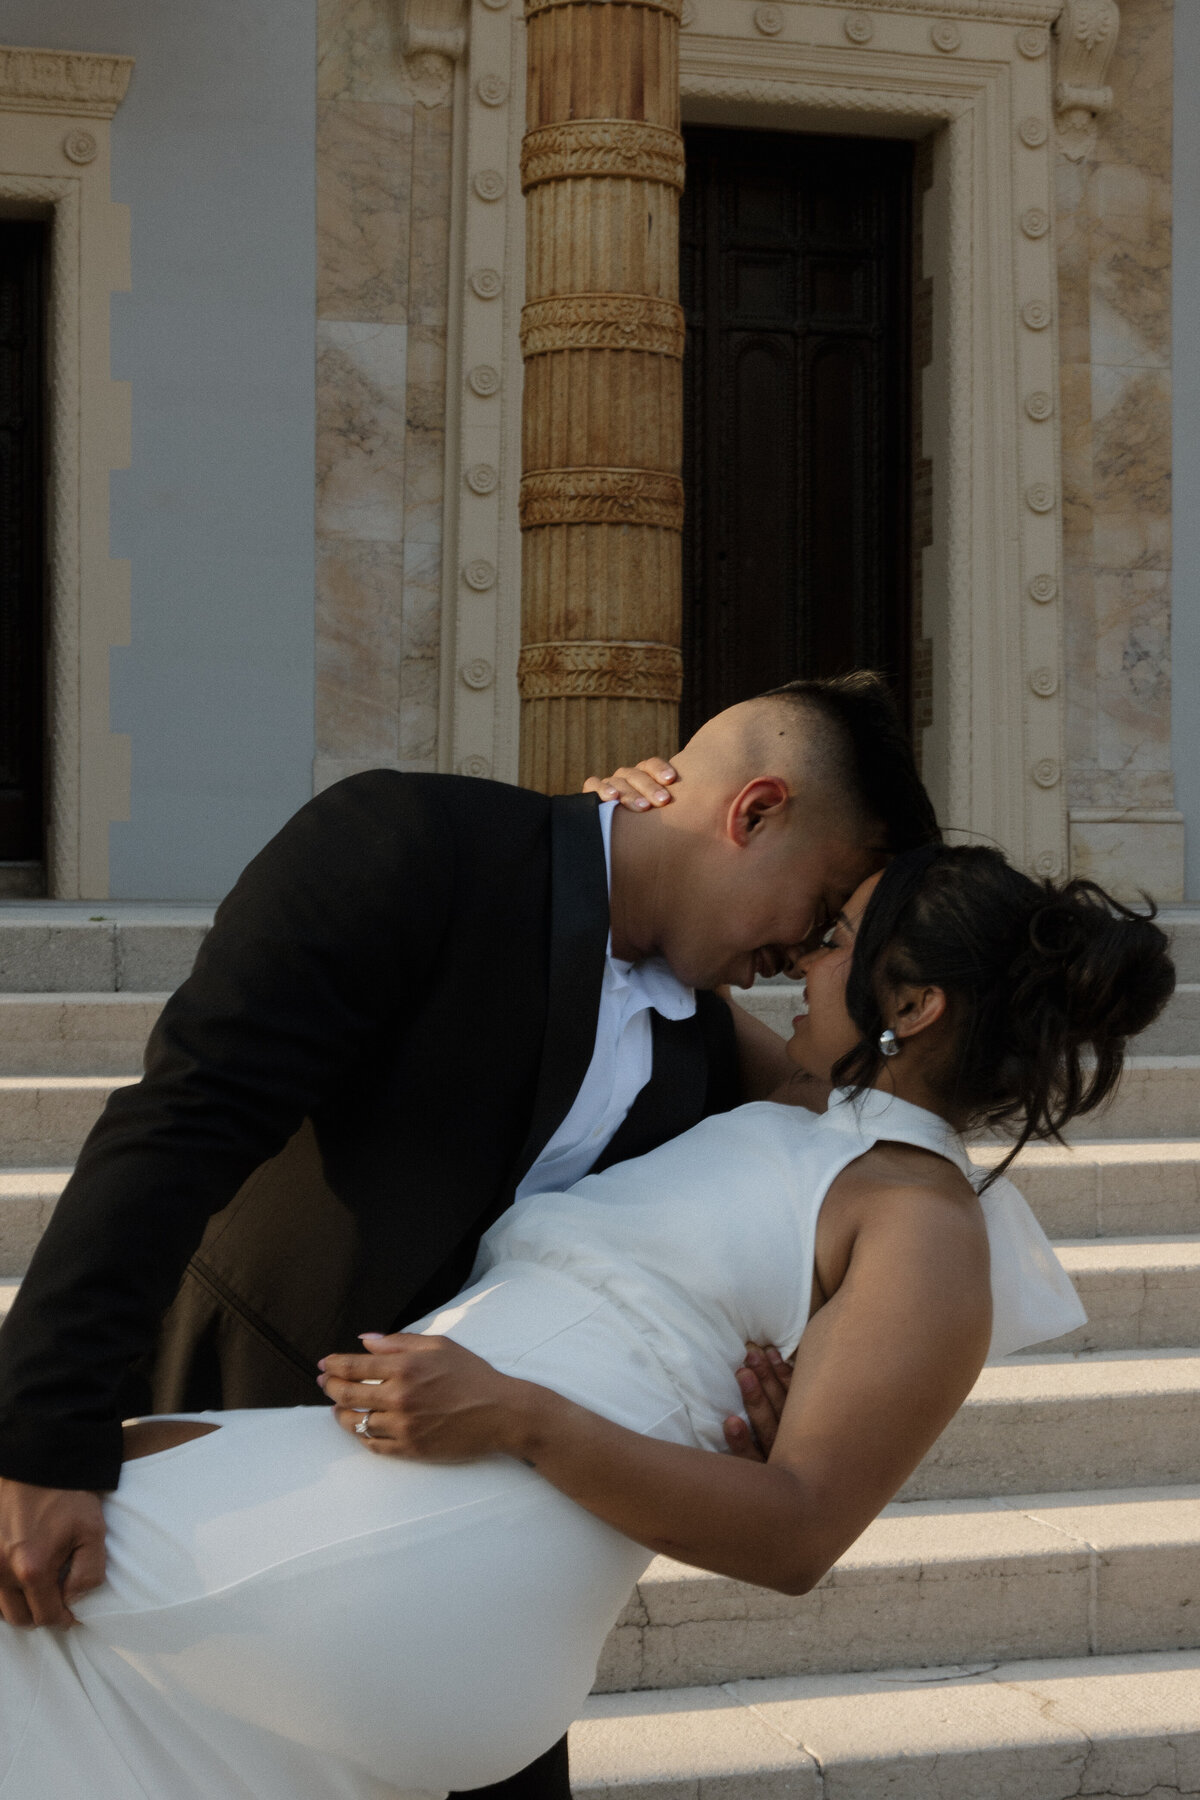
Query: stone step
x,y
44,1119
1182,923
963,1581
8,1293
103,946
1104,1726
27,1198
1123,1188
1061,1424
75,1034
1159,1096
1138,1293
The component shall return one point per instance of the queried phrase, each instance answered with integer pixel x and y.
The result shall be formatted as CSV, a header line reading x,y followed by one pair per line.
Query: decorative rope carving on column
x,y
598,669
601,497
627,148
603,322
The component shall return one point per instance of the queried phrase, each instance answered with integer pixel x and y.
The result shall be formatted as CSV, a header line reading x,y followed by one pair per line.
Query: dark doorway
x,y
796,280
23,245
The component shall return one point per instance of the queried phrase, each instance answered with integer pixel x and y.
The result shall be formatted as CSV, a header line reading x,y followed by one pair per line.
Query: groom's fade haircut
x,y
866,752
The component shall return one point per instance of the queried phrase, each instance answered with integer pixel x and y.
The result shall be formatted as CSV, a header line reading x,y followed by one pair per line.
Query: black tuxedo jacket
x,y
388,1021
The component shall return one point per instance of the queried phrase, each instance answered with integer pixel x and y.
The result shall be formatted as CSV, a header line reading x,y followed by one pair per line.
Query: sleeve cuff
x,y
63,1453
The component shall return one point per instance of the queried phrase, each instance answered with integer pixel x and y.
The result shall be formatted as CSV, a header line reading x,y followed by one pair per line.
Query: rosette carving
x,y
620,147
602,497
600,670
603,322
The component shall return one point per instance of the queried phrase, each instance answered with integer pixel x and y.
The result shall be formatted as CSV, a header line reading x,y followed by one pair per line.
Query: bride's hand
x,y
638,789
764,1379
430,1399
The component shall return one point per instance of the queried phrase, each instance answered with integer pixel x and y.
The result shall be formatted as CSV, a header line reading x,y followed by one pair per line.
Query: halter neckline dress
x,y
288,1615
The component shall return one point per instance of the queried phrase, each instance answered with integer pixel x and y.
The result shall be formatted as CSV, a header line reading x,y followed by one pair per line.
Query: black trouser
x,y
546,1779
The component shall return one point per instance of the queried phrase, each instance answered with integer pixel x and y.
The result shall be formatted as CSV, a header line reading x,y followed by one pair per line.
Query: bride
x,y
287,1614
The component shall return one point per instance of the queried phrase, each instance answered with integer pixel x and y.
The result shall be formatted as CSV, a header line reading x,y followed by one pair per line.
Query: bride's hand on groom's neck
x,y
637,789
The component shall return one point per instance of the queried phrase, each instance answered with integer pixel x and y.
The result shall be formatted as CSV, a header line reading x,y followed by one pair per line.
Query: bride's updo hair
x,y
1046,984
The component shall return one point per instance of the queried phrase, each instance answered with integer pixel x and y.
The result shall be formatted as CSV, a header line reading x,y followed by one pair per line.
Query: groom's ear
x,y
763,798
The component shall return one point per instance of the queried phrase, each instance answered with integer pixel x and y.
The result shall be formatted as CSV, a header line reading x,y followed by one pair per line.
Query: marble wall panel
x,y
361,396
1114,251
383,180
364,155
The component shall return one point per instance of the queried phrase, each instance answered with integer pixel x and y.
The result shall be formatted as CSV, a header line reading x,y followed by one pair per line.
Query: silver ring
x,y
363,1428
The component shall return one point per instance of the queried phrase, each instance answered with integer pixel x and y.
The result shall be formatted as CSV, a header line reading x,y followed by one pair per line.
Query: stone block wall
x,y
1114,251
383,218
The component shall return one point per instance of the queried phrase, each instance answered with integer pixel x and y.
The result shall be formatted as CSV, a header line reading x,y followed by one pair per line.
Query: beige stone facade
x,y
1043,496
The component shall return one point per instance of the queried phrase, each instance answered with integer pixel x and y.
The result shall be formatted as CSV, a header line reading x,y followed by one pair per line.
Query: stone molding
x,y
62,81
1086,36
673,7
603,322
89,436
600,670
602,147
602,497
433,28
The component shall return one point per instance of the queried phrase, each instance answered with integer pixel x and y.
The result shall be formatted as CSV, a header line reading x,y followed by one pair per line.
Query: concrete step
x,y
1138,1293
27,1198
8,1293
1182,924
1105,1726
1159,1096
44,1119
105,946
958,1581
1122,1188
1059,1424
75,1034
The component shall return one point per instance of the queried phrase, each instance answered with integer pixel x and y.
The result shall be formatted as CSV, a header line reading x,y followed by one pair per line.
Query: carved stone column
x,y
602,335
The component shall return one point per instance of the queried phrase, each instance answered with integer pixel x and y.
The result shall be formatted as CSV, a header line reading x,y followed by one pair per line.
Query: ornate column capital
x,y
1086,35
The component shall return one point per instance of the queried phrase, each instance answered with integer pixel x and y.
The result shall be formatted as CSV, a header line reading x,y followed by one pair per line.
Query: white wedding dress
x,y
287,1615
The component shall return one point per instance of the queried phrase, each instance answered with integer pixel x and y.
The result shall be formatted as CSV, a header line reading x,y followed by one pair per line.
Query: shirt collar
x,y
653,978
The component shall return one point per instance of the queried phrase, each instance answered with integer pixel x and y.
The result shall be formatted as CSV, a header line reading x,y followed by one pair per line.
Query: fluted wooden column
x,y
602,336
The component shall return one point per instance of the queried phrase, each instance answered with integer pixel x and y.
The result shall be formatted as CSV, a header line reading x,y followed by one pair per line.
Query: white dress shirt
x,y
621,1061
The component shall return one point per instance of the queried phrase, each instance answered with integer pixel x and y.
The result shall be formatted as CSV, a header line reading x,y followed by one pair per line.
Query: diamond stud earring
x,y
888,1045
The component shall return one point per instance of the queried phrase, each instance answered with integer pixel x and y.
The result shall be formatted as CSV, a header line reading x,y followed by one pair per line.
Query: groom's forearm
x,y
753,1522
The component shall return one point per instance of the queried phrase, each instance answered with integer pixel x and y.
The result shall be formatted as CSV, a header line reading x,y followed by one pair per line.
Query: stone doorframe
x,y
57,106
976,77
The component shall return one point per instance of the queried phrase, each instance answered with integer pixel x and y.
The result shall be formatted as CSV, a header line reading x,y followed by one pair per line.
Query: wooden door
x,y
796,282
22,540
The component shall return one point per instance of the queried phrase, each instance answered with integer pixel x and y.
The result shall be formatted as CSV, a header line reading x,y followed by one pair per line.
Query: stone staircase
x,y
1023,1624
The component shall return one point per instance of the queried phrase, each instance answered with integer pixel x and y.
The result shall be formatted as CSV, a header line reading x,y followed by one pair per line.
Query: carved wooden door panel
x,y
796,282
22,543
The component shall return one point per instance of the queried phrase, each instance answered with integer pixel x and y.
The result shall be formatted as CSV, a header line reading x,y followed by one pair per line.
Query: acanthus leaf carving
x,y
1086,35
602,322
601,497
63,81
621,147
600,669
433,36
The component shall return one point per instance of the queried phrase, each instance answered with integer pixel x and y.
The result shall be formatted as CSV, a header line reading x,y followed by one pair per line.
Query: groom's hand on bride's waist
x,y
764,1379
51,1551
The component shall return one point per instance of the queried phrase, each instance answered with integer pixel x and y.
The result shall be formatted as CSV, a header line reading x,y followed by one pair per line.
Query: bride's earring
x,y
888,1046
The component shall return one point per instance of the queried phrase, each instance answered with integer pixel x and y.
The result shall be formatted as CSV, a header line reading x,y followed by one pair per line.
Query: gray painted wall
x,y
1185,584
214,152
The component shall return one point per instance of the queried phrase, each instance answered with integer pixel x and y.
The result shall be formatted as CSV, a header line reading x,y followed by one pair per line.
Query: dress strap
x,y
876,1115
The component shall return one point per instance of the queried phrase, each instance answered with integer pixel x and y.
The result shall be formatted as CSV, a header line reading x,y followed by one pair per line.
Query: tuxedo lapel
x,y
579,922
673,1098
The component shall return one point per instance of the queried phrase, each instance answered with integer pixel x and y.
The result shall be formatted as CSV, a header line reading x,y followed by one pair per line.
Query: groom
x,y
426,997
